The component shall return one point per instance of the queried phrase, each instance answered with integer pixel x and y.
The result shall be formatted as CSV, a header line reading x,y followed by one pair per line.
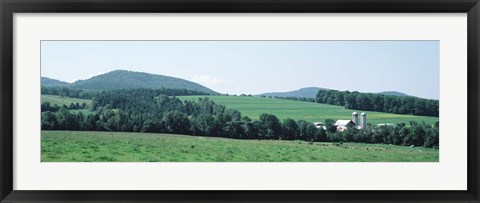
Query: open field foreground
x,y
308,111
81,146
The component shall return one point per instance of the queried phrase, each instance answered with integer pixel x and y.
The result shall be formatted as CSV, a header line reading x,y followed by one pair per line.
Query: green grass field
x,y
71,146
59,100
309,111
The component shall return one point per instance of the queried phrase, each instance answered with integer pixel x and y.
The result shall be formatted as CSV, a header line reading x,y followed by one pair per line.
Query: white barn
x,y
343,124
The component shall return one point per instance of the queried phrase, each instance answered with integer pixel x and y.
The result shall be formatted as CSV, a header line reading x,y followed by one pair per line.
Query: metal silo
x,y
363,120
355,118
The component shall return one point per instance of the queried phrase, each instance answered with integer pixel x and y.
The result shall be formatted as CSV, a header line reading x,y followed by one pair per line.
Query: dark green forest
x,y
90,94
379,102
159,111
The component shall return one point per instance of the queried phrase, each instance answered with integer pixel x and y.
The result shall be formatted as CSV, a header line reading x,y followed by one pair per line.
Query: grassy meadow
x,y
59,100
72,146
309,111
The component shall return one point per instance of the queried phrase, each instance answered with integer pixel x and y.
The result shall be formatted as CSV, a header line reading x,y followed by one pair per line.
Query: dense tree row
x,y
67,92
417,134
379,102
306,99
144,110
90,94
46,106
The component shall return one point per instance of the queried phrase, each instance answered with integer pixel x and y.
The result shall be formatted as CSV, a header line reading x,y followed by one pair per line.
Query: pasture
x,y
81,146
300,110
59,100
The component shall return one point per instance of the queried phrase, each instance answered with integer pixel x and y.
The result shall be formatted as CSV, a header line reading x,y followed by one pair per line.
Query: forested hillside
x,y
52,82
122,79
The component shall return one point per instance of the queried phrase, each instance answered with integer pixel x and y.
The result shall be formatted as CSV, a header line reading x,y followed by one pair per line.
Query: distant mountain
x,y
52,82
311,92
122,79
394,93
308,92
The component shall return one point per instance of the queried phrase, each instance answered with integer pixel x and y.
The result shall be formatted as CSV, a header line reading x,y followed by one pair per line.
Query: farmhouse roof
x,y
342,122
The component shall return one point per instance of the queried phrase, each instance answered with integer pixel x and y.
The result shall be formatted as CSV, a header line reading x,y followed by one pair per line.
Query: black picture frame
x,y
9,7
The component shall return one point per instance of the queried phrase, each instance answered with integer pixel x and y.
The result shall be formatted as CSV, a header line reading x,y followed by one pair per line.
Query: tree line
x,y
90,94
143,110
67,92
46,106
305,99
417,134
379,102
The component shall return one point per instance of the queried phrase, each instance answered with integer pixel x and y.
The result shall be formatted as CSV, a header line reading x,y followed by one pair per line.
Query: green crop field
x,y
59,100
309,111
72,146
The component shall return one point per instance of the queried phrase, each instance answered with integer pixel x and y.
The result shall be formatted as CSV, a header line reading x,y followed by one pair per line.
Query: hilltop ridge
x,y
124,79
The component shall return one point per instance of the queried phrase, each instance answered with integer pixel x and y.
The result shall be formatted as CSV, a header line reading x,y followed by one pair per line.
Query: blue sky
x,y
253,67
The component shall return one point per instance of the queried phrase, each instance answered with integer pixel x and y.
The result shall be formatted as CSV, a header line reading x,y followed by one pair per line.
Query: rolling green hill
x,y
75,146
52,82
394,93
308,92
309,111
122,79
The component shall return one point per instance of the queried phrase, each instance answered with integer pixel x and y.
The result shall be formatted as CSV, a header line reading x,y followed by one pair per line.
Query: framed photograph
x,y
252,101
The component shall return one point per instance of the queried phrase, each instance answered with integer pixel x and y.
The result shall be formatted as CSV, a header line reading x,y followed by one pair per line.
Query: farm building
x,y
319,125
381,125
385,124
345,124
